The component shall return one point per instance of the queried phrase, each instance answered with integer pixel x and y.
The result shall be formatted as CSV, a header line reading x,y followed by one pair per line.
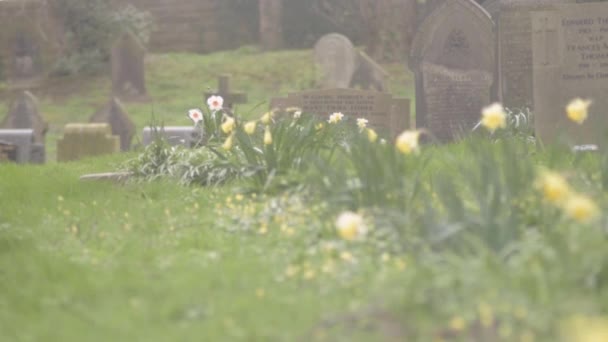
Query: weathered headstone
x,y
388,114
24,114
570,59
18,146
86,140
336,59
24,58
271,23
188,136
230,98
514,38
128,68
453,58
116,116
368,74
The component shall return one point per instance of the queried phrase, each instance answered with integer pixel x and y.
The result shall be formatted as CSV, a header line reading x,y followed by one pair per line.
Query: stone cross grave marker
x,y
336,59
385,113
188,136
230,98
86,140
453,59
128,68
116,116
24,114
570,59
17,145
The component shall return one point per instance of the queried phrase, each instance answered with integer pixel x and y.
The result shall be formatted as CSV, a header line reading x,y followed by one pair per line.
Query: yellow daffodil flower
x,y
250,127
580,208
228,125
266,119
372,136
494,117
228,143
407,142
577,110
267,136
554,187
350,226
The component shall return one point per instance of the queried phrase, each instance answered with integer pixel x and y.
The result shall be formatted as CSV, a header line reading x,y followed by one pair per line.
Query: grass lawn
x,y
320,233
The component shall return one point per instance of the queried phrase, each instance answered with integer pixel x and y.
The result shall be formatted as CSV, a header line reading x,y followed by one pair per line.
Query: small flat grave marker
x,y
187,136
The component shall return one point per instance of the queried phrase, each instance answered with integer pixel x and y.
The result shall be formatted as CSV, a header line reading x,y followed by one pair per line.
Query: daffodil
x,y
494,117
196,115
228,125
266,119
267,136
250,127
577,110
407,142
350,226
586,329
362,123
227,145
372,136
297,114
580,208
553,186
335,118
215,102
319,126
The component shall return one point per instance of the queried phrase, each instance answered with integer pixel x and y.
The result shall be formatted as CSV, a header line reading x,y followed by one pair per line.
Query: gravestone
x,y
19,146
385,113
8,152
368,74
187,136
230,98
271,23
25,57
86,140
24,114
570,59
128,68
115,115
514,39
453,59
336,60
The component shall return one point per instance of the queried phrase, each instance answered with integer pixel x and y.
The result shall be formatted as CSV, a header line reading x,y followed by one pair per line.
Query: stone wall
x,y
199,25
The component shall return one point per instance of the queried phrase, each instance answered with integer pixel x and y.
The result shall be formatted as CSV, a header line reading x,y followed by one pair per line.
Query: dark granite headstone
x,y
384,112
24,114
128,68
336,60
115,114
453,58
570,59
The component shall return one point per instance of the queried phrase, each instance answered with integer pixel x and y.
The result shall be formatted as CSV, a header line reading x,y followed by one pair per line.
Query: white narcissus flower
x,y
215,102
350,226
362,123
335,118
195,115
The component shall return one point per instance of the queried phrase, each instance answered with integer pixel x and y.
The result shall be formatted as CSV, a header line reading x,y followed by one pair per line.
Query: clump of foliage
x,y
90,28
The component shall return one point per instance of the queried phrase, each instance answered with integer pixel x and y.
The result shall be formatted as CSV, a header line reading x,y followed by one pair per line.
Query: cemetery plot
x,y
570,54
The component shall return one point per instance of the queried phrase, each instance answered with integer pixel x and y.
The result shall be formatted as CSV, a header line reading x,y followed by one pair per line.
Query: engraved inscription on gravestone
x,y
382,110
570,54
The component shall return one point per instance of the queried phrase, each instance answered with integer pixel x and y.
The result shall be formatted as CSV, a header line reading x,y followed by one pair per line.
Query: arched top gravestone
x,y
336,58
128,68
24,114
453,58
